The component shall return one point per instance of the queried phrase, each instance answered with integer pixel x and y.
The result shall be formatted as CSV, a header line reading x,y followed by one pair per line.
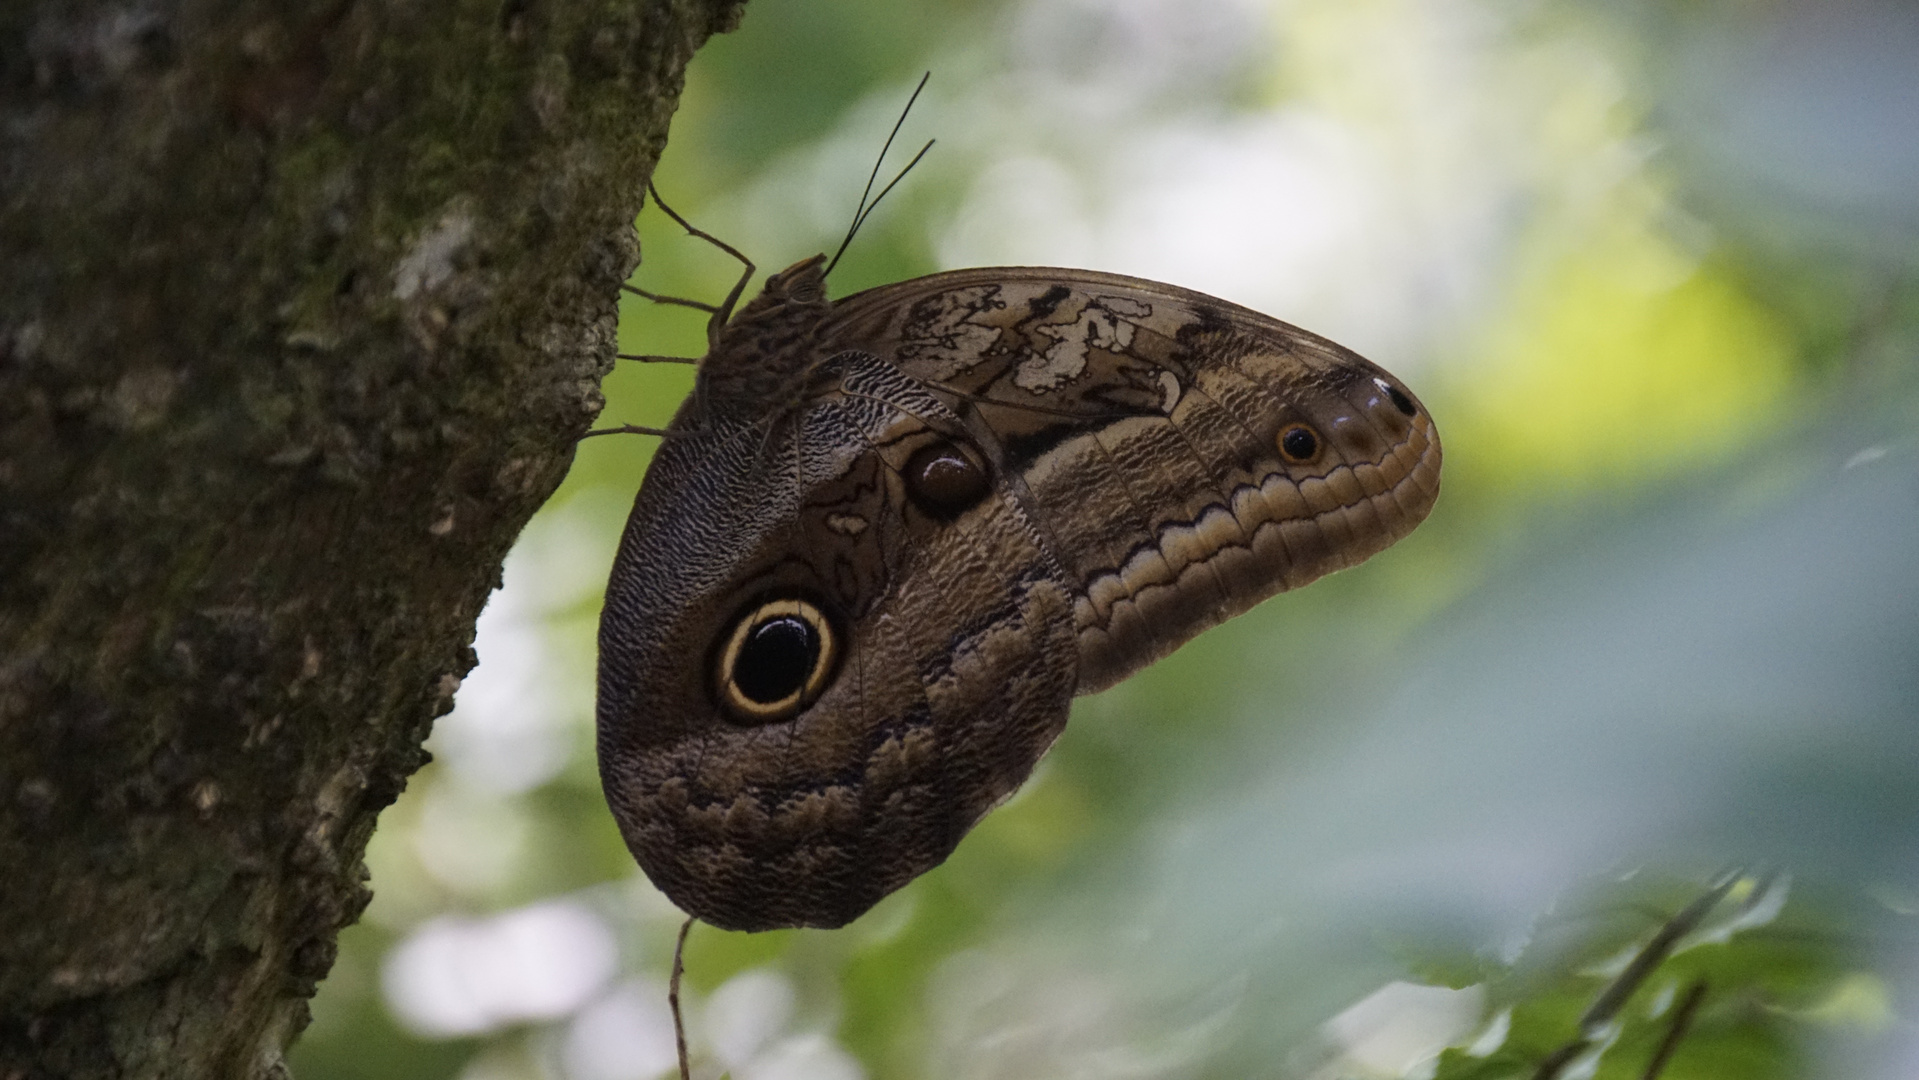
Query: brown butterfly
x,y
890,537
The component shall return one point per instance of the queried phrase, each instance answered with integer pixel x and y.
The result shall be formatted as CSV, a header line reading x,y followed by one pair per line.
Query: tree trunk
x,y
301,307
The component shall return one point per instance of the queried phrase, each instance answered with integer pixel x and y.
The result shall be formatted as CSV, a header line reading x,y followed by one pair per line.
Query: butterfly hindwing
x,y
939,613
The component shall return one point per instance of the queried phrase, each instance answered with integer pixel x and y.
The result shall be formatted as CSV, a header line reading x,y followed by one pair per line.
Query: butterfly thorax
x,y
764,351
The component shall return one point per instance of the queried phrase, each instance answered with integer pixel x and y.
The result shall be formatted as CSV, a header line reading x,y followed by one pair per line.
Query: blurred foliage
x,y
1742,997
1655,623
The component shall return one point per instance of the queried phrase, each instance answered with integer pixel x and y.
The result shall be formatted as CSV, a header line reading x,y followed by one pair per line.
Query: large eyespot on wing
x,y
727,627
777,659
890,657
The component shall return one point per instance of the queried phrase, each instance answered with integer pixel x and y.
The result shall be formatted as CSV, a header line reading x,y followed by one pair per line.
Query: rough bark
x,y
301,306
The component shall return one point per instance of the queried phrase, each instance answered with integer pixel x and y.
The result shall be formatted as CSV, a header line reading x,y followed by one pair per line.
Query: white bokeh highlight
x,y
508,732
625,1035
1400,1029
749,1026
745,1013
457,976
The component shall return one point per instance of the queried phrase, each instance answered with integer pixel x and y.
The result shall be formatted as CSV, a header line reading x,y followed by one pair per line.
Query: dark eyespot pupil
x,y
1400,400
1299,443
776,658
943,480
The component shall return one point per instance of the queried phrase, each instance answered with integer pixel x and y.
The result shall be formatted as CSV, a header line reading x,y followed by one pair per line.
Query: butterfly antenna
x,y
865,209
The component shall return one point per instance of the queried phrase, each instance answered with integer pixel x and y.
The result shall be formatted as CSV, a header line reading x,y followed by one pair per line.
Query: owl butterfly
x,y
889,537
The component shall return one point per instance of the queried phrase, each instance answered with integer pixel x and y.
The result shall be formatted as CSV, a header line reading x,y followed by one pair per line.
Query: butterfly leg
x,y
679,301
628,429
725,310
648,358
697,305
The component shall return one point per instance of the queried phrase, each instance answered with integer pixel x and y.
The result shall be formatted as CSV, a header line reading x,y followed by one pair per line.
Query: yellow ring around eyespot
x,y
1319,444
809,689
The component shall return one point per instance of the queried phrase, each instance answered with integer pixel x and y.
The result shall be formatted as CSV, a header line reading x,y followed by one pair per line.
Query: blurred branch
x,y
1614,997
1676,1031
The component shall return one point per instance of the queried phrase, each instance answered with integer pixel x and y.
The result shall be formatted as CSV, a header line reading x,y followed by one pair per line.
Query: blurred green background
x,y
1651,266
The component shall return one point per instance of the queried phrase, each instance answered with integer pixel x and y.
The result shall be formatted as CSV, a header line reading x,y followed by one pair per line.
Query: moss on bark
x,y
301,306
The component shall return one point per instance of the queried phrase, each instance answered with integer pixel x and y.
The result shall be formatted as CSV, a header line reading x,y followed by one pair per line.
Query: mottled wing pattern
x,y
1150,433
811,820
892,536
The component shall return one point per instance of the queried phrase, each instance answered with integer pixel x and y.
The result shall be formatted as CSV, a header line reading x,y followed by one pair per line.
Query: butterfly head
x,y
763,349
800,286
793,299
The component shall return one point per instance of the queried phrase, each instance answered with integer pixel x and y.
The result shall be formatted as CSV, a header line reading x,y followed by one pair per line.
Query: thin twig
x,y
1560,1058
673,998
1681,1021
1614,997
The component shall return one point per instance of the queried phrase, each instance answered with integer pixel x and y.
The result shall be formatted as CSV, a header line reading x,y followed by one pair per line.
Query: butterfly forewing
x,y
1185,457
